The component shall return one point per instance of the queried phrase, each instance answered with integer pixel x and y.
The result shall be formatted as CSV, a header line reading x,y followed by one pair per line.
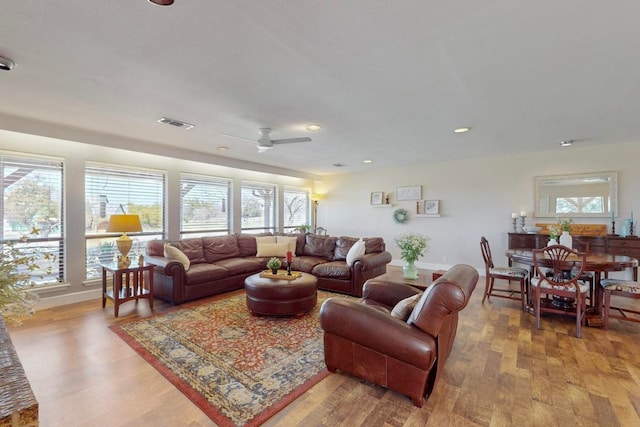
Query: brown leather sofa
x,y
363,338
221,263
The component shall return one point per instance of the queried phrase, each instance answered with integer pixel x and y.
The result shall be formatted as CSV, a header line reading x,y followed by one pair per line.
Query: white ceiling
x,y
387,80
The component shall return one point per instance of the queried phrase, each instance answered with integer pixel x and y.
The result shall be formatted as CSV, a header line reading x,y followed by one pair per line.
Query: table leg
x,y
104,287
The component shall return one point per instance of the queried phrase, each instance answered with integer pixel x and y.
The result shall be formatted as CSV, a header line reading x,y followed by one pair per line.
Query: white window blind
x,y
296,207
32,213
111,189
258,207
204,205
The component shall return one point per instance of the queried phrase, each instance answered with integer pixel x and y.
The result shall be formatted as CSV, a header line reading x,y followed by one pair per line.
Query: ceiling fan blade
x,y
238,137
291,140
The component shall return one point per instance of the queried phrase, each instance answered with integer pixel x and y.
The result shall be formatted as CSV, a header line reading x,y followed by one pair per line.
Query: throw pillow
x,y
289,240
266,239
403,309
272,249
356,251
172,252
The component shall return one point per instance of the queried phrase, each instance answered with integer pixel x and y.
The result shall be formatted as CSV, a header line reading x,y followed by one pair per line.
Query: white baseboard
x,y
66,299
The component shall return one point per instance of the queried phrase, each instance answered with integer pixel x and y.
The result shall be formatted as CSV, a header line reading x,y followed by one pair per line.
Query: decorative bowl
x,y
532,229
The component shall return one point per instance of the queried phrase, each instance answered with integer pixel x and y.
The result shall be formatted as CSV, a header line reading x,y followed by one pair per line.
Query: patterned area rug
x,y
238,368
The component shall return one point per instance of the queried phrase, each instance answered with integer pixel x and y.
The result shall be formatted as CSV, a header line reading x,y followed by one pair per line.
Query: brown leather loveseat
x,y
372,339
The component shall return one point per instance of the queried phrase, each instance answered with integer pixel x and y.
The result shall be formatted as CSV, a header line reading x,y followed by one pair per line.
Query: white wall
x,y
476,197
75,155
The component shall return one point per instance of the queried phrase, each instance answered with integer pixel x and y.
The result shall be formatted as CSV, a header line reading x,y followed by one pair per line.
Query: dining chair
x,y
557,274
620,287
503,273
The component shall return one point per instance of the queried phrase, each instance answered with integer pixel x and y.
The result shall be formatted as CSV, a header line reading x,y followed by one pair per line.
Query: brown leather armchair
x,y
363,338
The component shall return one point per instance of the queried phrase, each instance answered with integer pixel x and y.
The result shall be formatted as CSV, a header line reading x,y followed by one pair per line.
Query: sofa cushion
x,y
192,248
266,239
156,247
220,247
291,241
319,246
272,249
357,250
343,244
374,244
203,273
237,266
333,270
306,263
402,310
172,252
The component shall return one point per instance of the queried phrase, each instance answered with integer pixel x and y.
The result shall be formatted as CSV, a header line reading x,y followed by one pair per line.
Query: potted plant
x,y
16,268
274,264
412,246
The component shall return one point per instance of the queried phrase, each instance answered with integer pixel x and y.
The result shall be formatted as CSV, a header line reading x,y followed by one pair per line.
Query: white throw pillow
x,y
272,249
172,252
291,241
266,239
356,251
403,309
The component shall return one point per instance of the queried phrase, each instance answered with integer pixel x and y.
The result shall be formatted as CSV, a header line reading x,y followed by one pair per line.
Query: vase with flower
x,y
554,233
565,237
412,247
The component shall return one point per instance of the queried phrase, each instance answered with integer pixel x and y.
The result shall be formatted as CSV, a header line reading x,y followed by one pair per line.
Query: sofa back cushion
x,y
156,247
220,247
343,244
247,243
319,246
374,245
192,248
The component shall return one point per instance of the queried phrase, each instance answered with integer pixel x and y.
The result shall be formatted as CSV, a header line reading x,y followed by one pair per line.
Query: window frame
x,y
272,226
204,180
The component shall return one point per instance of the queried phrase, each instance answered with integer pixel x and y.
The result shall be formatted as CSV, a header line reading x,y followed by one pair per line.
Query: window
x,y
32,197
296,207
258,207
114,189
204,205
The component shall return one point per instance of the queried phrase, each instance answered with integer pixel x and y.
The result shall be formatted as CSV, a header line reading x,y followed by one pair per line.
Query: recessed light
x,y
162,2
6,64
223,149
461,130
566,143
313,128
367,161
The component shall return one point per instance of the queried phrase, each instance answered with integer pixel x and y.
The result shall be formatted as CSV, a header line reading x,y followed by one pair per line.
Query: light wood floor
x,y
502,371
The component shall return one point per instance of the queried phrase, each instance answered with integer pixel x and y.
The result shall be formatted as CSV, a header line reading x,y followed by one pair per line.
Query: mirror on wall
x,y
585,195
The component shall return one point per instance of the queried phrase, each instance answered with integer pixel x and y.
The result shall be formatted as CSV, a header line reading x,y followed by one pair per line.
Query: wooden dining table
x,y
597,263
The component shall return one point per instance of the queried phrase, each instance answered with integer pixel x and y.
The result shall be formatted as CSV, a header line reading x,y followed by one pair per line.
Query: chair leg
x,y
536,306
488,288
605,309
523,294
579,317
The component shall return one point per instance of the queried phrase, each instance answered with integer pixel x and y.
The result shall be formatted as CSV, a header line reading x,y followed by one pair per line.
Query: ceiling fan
x,y
266,143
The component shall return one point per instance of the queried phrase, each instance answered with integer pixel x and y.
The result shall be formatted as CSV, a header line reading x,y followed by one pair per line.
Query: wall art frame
x,y
377,197
432,207
410,192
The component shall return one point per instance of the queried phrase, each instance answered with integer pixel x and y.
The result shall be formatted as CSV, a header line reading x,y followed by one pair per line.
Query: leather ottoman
x,y
277,297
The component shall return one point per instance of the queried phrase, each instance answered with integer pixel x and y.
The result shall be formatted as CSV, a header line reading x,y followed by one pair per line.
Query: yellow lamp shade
x,y
124,223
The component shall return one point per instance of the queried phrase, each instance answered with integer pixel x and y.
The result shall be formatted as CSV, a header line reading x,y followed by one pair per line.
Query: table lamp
x,y
124,223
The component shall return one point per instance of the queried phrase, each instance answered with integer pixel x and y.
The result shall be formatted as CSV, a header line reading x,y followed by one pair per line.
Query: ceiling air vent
x,y
176,123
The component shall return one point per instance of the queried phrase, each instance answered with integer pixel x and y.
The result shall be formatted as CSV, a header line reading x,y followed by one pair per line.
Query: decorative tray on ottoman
x,y
281,275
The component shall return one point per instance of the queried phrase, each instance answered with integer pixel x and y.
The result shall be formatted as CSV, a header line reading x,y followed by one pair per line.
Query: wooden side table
x,y
129,283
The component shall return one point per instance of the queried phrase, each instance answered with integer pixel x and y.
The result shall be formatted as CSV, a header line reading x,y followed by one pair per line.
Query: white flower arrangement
x,y
412,245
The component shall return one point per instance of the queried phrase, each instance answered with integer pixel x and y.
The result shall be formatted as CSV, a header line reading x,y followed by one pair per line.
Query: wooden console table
x,y
616,245
129,283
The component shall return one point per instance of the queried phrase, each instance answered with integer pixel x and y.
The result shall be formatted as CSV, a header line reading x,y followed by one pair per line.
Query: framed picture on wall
x,y
377,197
413,192
432,207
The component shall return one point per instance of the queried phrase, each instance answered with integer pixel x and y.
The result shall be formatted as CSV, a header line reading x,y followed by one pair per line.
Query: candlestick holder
x,y
288,268
522,222
631,228
613,227
515,224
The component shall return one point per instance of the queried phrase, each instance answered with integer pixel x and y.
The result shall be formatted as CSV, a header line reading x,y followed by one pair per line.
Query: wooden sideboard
x,y
629,246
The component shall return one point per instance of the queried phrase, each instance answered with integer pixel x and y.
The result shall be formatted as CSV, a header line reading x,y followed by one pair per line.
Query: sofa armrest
x,y
386,292
378,331
371,261
169,266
